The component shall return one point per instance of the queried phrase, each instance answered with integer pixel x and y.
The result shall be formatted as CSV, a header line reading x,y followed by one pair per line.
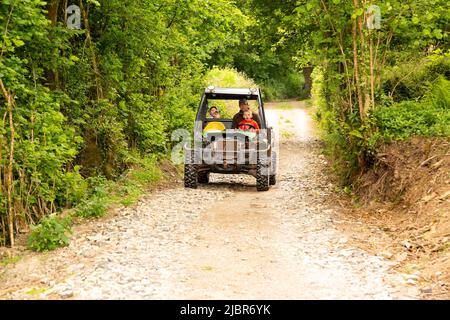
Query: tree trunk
x,y
307,71
52,76
9,171
53,6
363,69
98,83
372,73
356,65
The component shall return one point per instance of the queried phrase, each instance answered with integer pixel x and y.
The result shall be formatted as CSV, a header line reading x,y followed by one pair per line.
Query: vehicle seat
x,y
226,122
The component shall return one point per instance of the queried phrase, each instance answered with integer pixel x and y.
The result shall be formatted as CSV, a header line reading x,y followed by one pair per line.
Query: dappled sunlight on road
x,y
289,119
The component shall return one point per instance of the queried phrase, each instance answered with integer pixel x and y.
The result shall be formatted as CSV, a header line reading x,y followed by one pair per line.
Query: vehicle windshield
x,y
228,108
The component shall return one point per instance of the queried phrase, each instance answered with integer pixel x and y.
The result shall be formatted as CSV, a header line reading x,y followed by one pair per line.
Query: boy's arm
x,y
256,126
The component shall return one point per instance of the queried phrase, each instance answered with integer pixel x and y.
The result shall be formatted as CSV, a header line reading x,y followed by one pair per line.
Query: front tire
x,y
190,172
273,169
262,175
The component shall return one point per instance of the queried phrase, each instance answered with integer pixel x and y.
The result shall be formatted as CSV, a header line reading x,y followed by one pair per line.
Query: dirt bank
x,y
407,195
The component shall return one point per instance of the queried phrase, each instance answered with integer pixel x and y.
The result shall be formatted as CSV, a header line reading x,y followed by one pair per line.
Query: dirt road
x,y
223,240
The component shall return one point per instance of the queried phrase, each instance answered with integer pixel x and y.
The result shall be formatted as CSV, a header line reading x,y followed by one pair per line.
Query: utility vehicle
x,y
230,150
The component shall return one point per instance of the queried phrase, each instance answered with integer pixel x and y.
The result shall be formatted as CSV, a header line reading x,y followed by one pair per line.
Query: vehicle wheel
x,y
273,169
262,175
190,172
203,177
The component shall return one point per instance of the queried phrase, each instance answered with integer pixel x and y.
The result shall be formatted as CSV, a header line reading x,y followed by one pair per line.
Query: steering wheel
x,y
248,124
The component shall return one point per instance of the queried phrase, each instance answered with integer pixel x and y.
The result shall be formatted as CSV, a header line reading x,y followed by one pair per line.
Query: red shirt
x,y
249,125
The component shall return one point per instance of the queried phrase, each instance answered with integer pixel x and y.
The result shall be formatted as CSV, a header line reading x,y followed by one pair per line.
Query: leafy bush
x,y
227,77
427,117
97,186
318,88
94,207
142,172
51,233
95,201
440,93
287,87
145,170
412,80
125,190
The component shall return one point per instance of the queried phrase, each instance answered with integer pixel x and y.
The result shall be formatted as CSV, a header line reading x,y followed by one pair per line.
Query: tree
x,y
79,103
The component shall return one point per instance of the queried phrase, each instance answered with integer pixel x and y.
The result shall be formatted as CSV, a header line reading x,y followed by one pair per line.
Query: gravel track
x,y
223,240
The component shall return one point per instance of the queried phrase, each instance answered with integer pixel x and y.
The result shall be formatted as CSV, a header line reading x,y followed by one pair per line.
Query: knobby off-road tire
x,y
203,177
273,169
190,172
262,175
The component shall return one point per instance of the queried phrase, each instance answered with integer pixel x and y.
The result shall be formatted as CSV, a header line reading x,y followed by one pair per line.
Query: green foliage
x,y
84,100
95,202
401,61
346,140
142,173
127,188
145,171
344,157
44,144
272,67
51,233
285,106
36,291
286,134
439,95
103,101
93,207
9,260
227,77
427,117
286,87
412,80
318,92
